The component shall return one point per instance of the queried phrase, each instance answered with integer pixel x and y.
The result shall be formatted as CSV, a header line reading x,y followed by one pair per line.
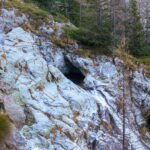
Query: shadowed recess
x,y
148,122
74,74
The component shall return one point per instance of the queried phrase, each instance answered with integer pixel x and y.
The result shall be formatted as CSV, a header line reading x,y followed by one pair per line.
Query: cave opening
x,y
148,122
74,74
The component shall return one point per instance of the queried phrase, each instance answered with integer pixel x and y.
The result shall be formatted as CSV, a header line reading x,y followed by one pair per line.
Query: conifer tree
x,y
104,22
137,45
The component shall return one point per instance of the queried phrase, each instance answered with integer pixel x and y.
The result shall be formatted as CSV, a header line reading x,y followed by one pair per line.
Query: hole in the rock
x,y
148,122
74,74
75,77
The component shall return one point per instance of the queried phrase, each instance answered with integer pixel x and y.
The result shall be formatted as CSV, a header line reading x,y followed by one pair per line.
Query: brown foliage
x,y
40,87
107,126
4,127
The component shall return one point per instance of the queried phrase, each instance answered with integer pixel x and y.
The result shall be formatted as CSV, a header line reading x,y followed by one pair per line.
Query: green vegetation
x,y
4,127
88,37
62,41
90,32
93,52
136,37
29,8
60,9
94,32
132,61
145,60
95,23
37,15
59,17
43,3
128,59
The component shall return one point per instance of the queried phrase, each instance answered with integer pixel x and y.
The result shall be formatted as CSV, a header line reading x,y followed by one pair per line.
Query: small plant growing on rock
x,y
107,126
74,117
57,41
119,104
40,87
4,126
71,137
4,56
143,129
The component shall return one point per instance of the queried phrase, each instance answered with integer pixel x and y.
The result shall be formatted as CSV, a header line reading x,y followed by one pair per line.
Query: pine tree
x,y
137,45
104,22
147,17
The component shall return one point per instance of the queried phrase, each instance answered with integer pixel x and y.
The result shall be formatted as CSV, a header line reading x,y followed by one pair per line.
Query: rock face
x,y
50,112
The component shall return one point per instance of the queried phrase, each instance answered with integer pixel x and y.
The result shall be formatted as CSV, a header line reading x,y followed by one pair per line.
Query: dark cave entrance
x,y
148,122
74,74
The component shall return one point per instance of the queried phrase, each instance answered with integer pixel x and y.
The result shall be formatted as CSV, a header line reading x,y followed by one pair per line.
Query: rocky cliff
x,y
56,99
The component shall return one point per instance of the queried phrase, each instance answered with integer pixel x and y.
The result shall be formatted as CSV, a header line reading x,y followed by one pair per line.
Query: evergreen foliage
x,y
97,37
137,45
68,8
97,23
98,32
105,26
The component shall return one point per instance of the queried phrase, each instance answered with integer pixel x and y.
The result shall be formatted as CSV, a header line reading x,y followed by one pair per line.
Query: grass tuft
x,y
61,41
4,127
132,61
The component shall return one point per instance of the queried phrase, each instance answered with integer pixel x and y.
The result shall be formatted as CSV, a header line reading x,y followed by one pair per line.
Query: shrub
x,y
137,44
59,17
4,126
87,37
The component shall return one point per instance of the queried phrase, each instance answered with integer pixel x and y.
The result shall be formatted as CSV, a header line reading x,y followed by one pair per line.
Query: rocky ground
x,y
51,110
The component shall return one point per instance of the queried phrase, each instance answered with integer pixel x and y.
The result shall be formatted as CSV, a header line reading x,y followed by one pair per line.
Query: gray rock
x,y
50,112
